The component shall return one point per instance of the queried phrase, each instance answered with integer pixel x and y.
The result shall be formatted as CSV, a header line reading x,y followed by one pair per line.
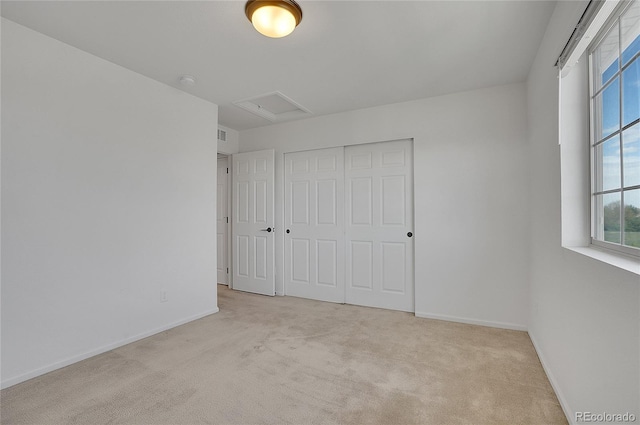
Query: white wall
x,y
108,197
231,145
471,203
585,314
0,203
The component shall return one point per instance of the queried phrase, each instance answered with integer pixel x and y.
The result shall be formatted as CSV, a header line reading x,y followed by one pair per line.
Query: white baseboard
x,y
568,412
74,359
468,321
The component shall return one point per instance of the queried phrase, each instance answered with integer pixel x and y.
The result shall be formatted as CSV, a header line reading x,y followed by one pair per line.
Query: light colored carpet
x,y
285,360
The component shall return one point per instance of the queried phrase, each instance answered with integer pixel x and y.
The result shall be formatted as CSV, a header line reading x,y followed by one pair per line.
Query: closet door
x,y
379,225
314,224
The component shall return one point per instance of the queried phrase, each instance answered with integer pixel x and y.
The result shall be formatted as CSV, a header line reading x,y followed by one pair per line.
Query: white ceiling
x,y
345,55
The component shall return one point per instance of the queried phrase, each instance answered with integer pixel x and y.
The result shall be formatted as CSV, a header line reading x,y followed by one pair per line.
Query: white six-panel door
x,y
222,222
253,221
379,225
349,213
314,224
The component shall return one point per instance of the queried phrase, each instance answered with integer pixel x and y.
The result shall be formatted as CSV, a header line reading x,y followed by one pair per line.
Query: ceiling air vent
x,y
222,135
273,106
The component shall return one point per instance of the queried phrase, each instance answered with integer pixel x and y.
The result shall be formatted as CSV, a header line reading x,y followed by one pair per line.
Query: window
x,y
614,65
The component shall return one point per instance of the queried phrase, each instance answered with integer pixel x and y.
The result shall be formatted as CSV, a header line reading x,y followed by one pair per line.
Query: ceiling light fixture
x,y
273,18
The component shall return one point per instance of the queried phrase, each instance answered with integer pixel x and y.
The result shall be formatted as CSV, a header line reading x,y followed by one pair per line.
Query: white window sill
x,y
614,259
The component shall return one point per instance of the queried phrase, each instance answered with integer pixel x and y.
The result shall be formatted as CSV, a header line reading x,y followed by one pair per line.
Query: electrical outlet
x,y
163,296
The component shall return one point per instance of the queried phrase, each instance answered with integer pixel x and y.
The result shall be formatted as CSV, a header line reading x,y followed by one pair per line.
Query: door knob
x,y
409,234
268,229
288,231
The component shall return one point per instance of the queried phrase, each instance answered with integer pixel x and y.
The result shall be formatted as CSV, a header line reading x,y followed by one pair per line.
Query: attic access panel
x,y
273,106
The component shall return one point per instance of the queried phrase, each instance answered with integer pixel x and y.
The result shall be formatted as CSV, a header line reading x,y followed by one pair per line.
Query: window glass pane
x,y
607,160
632,218
631,155
631,93
610,217
605,59
607,111
630,32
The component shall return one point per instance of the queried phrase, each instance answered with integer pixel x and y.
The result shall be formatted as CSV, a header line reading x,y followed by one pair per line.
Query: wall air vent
x,y
273,106
222,135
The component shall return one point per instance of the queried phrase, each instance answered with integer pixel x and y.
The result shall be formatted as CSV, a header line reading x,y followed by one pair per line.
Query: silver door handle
x,y
268,229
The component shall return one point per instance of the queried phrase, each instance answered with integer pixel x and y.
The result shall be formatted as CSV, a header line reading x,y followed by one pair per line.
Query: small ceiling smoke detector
x,y
187,80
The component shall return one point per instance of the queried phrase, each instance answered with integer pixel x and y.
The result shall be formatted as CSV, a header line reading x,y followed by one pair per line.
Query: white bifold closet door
x,y
314,223
349,213
253,218
379,225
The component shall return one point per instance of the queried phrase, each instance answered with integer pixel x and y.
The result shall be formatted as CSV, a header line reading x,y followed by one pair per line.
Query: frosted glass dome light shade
x,y
274,18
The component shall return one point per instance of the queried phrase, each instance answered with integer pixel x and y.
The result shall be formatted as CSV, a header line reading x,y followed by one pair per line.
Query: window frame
x,y
595,141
